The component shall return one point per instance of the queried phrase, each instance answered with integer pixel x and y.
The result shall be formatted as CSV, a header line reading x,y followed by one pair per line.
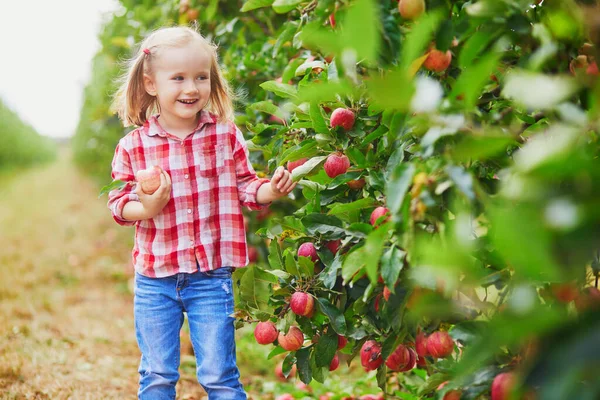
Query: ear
x,y
149,85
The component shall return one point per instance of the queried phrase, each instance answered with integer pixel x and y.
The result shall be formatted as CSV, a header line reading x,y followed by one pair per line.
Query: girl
x,y
190,232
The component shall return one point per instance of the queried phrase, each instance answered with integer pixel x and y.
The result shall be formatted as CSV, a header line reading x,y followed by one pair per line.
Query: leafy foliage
x,y
489,170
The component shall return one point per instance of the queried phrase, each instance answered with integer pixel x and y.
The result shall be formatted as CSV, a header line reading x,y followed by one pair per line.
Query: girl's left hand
x,y
281,182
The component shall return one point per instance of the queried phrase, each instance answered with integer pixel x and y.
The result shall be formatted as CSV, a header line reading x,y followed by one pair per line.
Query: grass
x,y
66,313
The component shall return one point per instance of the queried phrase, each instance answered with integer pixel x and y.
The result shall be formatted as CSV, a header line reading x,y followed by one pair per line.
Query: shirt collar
x,y
152,126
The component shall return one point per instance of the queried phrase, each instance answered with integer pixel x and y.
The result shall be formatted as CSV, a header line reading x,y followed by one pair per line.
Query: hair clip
x,y
146,51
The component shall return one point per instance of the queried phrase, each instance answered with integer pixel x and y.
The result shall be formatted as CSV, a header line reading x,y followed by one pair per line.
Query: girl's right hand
x,y
155,202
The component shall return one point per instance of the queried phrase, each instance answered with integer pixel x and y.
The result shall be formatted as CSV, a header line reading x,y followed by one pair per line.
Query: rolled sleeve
x,y
248,182
117,198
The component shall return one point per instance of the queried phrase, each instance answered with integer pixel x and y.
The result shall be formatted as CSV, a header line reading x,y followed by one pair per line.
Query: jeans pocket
x,y
223,272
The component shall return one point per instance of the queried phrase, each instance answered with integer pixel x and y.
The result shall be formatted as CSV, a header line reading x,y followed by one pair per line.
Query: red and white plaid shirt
x,y
212,178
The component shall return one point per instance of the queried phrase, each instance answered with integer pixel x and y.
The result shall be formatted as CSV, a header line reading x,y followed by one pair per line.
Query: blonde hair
x,y
134,105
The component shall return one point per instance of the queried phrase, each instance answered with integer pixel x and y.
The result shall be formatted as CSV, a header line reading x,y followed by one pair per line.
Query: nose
x,y
191,87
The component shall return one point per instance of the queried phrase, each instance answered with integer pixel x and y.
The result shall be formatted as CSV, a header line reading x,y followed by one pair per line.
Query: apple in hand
x,y
149,179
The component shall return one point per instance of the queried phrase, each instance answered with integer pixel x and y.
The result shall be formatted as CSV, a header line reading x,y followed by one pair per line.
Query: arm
x,y
118,199
128,206
280,185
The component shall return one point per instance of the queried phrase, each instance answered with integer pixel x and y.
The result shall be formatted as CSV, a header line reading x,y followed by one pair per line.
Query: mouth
x,y
188,101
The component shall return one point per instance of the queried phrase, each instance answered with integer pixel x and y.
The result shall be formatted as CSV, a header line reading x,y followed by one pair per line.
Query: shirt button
x,y
189,210
186,176
191,242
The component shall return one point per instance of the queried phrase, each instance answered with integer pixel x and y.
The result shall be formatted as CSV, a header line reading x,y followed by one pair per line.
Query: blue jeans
x,y
159,304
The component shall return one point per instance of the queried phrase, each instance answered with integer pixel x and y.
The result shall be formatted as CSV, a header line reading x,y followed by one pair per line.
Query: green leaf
x,y
324,92
344,208
325,349
336,318
274,257
481,147
367,256
398,185
329,275
393,90
267,107
280,89
286,35
306,149
117,184
254,4
303,363
284,6
473,78
473,46
468,331
288,363
365,41
307,267
391,265
318,121
290,264
254,289
529,249
306,168
323,224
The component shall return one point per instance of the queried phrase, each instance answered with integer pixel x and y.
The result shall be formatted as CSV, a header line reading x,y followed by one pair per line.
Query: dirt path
x,y
66,323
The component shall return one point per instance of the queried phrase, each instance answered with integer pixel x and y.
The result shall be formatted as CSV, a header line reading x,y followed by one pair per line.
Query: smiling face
x,y
180,80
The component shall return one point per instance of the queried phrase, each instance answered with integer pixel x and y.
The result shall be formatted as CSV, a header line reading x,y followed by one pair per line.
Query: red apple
x,y
336,164
334,245
293,340
335,363
371,397
370,355
332,20
402,359
440,344
193,14
565,292
377,300
589,298
291,165
421,345
342,342
302,303
252,254
502,386
356,184
377,213
452,395
386,293
308,250
438,61
265,332
342,117
285,396
149,179
411,9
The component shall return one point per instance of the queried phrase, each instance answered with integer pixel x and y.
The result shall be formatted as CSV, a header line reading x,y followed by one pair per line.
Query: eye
x,y
202,78
178,78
